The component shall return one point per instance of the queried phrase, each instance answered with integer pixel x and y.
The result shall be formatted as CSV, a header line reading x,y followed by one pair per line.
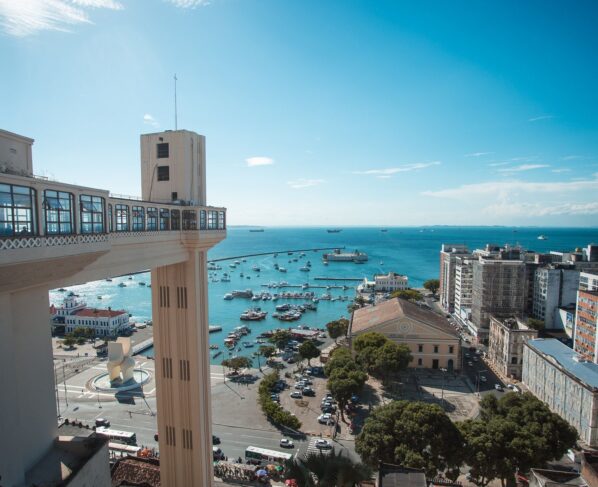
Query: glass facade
x,y
175,220
202,219
59,212
164,219
138,220
92,214
121,213
17,211
212,220
189,220
110,219
221,222
152,219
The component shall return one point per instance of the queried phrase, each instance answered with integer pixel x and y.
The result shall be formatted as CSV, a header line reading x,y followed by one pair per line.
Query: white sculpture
x,y
120,362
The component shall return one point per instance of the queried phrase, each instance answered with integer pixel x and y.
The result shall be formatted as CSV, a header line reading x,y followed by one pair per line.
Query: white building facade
x,y
505,345
553,287
558,376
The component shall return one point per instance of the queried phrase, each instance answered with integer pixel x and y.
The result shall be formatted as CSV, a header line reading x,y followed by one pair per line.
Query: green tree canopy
x,y
517,432
369,339
267,350
69,341
308,350
432,285
337,328
343,383
339,359
408,294
412,434
281,338
333,470
390,359
237,363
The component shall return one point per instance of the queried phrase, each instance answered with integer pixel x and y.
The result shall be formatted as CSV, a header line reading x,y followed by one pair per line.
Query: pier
x,y
338,279
144,345
275,252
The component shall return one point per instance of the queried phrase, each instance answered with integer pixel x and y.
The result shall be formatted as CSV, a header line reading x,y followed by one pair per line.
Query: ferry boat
x,y
253,315
338,256
248,293
214,328
334,230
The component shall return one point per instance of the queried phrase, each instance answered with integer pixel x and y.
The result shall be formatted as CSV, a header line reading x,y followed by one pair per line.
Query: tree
x,y
432,285
517,432
337,328
69,341
308,350
267,350
339,359
237,363
535,324
281,338
412,434
370,339
81,340
390,359
343,383
333,470
408,294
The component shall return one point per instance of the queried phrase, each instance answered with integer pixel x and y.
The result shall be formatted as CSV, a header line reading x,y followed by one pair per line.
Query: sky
x,y
333,113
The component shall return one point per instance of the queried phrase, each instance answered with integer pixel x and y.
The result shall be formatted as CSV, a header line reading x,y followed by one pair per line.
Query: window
x,y
138,223
162,150
17,211
212,217
164,219
189,220
435,348
202,219
164,173
451,349
221,222
92,214
121,212
58,209
110,220
420,361
420,348
152,219
175,220
514,360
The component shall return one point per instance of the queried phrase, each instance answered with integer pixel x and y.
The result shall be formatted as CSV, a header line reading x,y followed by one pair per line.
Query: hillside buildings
x,y
75,314
433,342
565,382
505,349
57,235
448,256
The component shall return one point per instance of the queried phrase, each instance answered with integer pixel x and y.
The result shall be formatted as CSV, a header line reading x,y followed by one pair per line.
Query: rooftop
x,y
395,476
135,471
567,359
99,313
552,478
393,309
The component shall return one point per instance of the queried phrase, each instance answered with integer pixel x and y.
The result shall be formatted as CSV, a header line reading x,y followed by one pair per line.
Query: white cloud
x,y
496,164
505,209
21,18
189,3
478,154
523,167
541,117
571,158
502,188
398,169
384,176
149,120
562,169
259,161
305,183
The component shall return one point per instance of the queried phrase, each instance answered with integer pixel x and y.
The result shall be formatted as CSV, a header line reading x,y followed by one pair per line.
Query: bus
x,y
272,456
121,450
125,437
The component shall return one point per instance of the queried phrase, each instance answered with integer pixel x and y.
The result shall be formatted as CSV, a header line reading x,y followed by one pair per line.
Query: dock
x,y
338,279
274,252
144,345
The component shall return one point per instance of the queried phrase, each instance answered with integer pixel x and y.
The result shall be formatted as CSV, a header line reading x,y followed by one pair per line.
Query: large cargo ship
x,y
338,256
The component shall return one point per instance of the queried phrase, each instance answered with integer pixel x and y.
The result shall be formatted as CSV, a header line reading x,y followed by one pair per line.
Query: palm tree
x,y
332,470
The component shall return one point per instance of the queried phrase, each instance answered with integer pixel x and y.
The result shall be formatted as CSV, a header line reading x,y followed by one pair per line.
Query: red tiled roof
x,y
98,313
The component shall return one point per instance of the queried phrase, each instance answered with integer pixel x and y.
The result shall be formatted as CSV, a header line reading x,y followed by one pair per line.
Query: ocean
x,y
406,250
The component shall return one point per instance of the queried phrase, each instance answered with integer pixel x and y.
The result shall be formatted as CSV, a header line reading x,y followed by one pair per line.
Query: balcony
x,y
70,227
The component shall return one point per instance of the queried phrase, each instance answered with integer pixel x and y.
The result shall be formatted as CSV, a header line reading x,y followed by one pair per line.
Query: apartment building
x,y
463,284
567,383
588,281
554,286
57,235
586,324
448,256
505,344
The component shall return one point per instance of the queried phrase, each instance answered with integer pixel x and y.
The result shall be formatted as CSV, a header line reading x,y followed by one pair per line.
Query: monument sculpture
x,y
120,363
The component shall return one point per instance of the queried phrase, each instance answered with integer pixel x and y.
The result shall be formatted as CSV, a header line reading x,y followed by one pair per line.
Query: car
x,y
483,378
323,444
308,391
296,395
498,387
328,409
300,385
275,397
325,418
215,440
103,422
286,443
470,364
510,386
307,381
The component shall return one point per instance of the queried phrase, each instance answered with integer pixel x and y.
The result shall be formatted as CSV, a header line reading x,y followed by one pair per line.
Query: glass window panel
x,y
92,210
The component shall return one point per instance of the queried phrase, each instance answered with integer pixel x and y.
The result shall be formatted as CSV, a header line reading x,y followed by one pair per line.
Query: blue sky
x,y
321,112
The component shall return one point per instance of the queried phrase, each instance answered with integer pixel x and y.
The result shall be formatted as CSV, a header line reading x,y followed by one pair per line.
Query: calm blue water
x,y
410,251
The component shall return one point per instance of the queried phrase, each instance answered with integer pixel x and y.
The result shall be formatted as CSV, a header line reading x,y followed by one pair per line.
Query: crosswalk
x,y
313,450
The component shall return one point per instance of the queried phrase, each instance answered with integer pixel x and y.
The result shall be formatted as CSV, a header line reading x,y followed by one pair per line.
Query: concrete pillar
x,y
180,316
27,393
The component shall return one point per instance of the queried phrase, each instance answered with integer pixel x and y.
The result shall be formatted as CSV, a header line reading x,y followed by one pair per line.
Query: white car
x,y
498,387
325,418
286,443
296,395
323,444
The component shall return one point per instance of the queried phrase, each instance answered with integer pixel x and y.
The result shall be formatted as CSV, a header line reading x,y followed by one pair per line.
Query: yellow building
x,y
434,344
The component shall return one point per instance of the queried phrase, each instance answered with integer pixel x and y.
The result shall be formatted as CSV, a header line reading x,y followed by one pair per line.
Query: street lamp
x,y
442,390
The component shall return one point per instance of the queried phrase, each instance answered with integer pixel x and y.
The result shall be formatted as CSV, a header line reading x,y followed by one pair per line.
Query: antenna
x,y
175,108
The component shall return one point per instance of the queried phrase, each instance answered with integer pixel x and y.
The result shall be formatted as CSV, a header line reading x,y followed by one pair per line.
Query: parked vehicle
x,y
323,444
296,395
498,387
286,443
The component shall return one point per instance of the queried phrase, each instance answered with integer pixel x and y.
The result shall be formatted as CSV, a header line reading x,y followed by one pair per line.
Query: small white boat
x,y
228,296
542,237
